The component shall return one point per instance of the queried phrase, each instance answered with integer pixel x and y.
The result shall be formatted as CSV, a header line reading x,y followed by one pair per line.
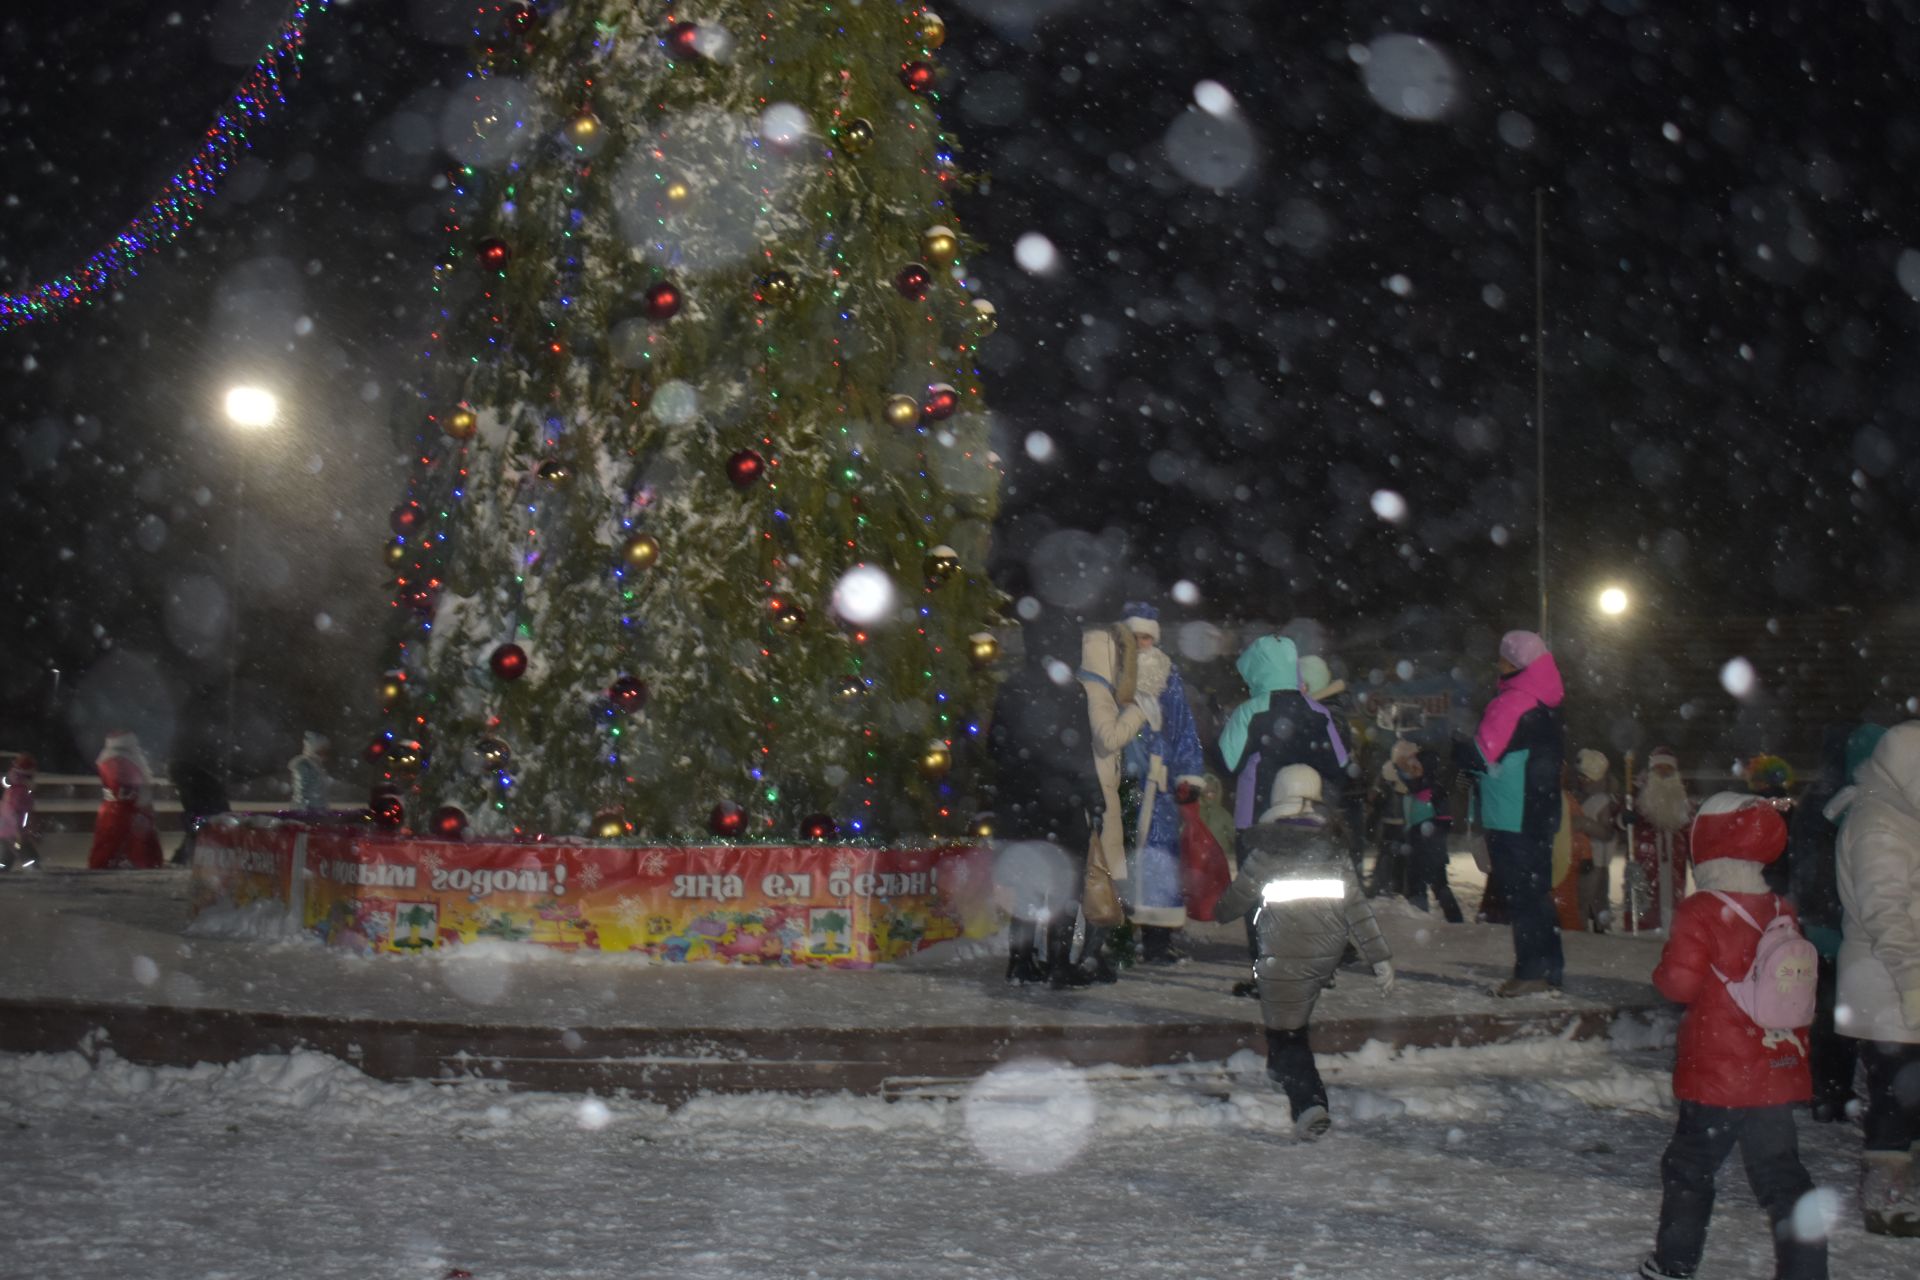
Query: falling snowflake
x,y
630,911
654,864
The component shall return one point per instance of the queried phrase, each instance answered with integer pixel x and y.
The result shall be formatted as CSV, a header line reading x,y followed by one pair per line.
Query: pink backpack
x,y
1778,991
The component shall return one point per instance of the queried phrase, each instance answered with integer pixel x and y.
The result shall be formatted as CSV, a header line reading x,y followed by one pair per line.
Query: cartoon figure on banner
x,y
828,925
421,920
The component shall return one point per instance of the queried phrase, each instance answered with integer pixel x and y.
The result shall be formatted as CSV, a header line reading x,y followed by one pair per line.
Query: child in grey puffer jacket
x,y
1311,906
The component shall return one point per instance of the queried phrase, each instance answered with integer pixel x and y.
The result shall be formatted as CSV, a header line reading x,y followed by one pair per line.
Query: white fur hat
x,y
1296,789
1592,764
1316,678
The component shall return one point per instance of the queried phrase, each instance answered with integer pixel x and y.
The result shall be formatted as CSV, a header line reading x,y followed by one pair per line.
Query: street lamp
x,y
1614,601
253,409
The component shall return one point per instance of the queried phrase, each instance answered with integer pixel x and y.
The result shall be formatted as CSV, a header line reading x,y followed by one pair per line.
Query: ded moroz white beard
x,y
1664,802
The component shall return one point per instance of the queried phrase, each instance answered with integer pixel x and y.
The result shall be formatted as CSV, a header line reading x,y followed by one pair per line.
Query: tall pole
x,y
232,752
1540,396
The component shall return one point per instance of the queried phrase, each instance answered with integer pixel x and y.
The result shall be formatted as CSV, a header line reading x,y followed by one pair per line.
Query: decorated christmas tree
x,y
695,534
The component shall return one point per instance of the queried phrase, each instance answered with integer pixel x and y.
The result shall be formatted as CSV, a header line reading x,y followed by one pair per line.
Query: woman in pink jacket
x,y
123,833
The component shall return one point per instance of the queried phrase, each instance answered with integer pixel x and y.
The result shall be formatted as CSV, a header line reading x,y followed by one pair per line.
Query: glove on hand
x,y
1383,977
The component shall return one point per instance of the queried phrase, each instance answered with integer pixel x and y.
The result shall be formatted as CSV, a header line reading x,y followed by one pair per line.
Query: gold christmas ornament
x,y
678,192
982,649
788,617
585,133
405,759
939,244
935,761
641,551
941,564
394,553
392,690
609,824
555,471
982,318
857,137
462,423
981,828
777,289
902,411
933,29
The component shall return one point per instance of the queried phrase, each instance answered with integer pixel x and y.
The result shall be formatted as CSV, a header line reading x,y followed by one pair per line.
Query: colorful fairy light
x,y
173,211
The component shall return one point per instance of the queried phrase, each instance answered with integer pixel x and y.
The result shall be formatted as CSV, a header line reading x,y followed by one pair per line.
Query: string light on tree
x,y
818,828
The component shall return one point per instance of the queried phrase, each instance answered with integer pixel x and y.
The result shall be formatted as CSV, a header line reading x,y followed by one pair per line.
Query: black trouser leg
x,y
1770,1148
1892,1121
1430,873
1290,1065
1524,865
1701,1142
1021,936
1831,1055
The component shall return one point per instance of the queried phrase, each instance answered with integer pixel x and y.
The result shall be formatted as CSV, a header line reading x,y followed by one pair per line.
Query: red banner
x,y
802,905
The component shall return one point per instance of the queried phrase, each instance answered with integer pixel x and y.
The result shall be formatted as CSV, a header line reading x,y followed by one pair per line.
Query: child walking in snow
x,y
1736,1081
1295,869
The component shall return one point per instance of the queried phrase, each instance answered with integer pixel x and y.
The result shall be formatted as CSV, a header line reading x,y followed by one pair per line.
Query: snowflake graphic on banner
x,y
432,860
654,863
629,911
590,876
844,861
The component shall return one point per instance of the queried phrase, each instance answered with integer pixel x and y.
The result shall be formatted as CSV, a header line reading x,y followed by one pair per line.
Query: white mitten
x,y
1383,977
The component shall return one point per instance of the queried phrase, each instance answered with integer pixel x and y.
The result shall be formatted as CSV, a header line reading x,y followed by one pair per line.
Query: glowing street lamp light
x,y
252,407
1614,601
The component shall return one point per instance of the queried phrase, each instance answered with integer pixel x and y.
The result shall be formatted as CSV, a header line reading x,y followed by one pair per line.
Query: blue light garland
x,y
170,213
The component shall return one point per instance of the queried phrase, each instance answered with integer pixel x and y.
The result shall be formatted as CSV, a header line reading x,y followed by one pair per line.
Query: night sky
x,y
1325,309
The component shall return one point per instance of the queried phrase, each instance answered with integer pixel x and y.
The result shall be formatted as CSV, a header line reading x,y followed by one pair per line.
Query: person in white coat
x,y
1879,995
308,770
1109,671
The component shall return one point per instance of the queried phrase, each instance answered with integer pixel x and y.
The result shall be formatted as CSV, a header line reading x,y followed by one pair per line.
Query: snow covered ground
x,y
1535,1159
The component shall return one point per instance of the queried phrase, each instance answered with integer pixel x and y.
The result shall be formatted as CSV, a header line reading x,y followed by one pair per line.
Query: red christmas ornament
x,y
388,811
916,75
629,693
912,280
509,662
942,401
407,517
728,820
523,19
494,254
449,822
744,468
818,826
683,37
663,301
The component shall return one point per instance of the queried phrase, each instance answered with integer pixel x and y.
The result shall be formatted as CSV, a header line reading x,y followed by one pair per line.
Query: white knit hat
x,y
1316,678
1296,789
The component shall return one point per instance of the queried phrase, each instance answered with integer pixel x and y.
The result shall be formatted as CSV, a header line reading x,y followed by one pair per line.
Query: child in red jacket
x,y
1735,1081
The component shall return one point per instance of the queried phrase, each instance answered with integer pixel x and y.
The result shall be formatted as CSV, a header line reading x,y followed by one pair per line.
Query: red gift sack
x,y
1204,874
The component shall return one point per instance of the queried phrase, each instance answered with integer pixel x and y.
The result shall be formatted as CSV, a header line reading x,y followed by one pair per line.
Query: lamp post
x,y
248,409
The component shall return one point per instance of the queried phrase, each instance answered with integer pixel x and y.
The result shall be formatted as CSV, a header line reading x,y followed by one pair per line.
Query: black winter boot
x,y
1023,966
1062,973
1095,957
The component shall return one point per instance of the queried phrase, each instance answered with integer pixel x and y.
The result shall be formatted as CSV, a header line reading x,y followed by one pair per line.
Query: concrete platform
x,y
103,960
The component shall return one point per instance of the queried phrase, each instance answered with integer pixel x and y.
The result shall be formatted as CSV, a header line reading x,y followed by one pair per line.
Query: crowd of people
x,y
1796,955
126,831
